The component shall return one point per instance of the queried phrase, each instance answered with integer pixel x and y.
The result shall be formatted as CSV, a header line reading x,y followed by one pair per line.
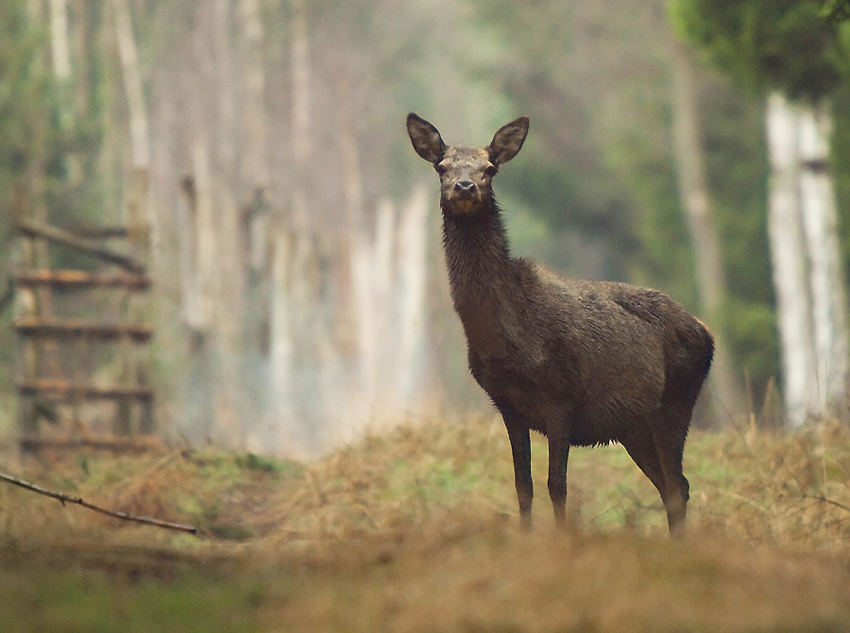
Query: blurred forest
x,y
298,294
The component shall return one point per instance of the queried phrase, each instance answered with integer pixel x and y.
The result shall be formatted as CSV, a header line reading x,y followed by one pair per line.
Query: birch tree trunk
x,y
197,260
300,124
255,264
139,136
372,277
693,192
254,179
61,59
255,167
204,234
282,426
413,283
226,80
290,294
59,48
788,259
140,218
351,261
820,226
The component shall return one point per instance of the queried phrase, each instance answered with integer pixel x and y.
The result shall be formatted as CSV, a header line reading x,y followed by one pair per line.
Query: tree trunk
x,y
352,264
61,60
283,432
820,226
139,217
48,351
204,236
372,269
26,307
61,54
412,285
139,137
788,260
255,167
291,315
226,86
300,124
255,217
690,158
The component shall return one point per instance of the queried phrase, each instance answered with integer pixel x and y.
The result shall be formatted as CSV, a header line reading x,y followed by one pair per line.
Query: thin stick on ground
x,y
824,499
63,498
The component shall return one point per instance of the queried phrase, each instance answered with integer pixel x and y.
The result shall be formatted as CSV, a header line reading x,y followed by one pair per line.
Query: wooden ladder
x,y
49,344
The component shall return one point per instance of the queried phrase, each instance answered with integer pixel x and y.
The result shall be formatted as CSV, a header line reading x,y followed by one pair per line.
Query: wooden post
x,y
26,306
133,371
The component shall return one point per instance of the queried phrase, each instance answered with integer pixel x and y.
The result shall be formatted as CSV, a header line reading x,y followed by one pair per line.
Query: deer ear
x,y
507,141
426,139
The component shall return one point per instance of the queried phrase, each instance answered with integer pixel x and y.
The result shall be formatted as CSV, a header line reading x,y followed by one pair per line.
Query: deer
x,y
585,363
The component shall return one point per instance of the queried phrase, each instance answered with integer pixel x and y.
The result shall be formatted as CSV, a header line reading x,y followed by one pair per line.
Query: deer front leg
x,y
521,450
559,453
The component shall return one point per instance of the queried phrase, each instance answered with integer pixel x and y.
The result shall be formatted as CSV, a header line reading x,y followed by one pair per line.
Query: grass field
x,y
416,530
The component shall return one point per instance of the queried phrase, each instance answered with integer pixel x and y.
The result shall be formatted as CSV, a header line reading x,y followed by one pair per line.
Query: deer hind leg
x,y
670,446
640,445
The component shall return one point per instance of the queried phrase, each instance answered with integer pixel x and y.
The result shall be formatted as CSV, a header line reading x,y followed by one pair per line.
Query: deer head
x,y
465,173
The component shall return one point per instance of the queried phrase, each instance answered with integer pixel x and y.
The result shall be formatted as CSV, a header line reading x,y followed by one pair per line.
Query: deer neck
x,y
480,270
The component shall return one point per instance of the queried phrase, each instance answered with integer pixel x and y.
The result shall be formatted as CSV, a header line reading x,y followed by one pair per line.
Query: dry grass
x,y
415,530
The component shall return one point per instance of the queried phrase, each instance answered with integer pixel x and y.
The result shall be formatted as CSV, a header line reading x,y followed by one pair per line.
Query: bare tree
x,y
139,134
693,192
61,58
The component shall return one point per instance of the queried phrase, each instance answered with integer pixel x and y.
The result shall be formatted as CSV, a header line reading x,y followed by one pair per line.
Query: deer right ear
x,y
426,139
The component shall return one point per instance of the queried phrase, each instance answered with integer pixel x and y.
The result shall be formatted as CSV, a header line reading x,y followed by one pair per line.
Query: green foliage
x,y
23,88
737,172
261,463
841,167
575,172
785,45
219,468
49,142
836,10
656,217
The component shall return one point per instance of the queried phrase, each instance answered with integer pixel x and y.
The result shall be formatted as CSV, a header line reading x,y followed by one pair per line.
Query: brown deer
x,y
583,362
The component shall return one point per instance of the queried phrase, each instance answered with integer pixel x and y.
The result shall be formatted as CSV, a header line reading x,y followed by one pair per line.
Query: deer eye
x,y
441,169
491,170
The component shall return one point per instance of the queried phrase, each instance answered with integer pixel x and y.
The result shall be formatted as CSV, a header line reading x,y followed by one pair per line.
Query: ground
x,y
415,529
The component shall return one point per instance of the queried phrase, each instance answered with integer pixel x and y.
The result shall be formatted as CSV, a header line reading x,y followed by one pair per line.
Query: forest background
x,y
299,297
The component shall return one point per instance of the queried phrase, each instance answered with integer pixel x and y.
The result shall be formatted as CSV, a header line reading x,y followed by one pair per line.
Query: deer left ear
x,y
508,141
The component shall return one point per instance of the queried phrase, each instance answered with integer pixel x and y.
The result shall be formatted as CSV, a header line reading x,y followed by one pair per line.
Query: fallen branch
x,y
63,499
823,498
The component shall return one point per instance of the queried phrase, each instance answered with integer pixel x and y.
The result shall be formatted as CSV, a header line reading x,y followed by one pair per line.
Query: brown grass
x,y
416,530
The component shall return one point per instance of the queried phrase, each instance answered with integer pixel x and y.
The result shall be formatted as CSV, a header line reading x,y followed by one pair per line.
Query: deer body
x,y
582,362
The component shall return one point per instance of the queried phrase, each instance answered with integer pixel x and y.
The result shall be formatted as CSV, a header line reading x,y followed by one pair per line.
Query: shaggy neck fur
x,y
477,256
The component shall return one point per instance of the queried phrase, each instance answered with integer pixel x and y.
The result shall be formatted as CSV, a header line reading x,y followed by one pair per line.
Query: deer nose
x,y
465,187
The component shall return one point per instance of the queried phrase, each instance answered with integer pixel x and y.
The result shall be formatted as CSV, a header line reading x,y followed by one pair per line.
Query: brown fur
x,y
583,362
